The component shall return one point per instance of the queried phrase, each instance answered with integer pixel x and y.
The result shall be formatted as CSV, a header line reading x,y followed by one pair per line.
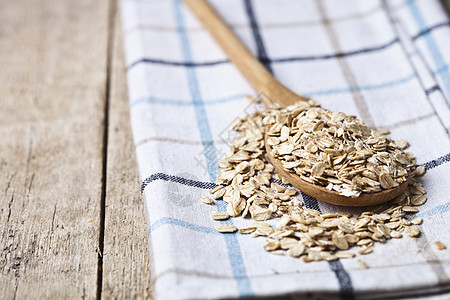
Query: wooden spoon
x,y
273,92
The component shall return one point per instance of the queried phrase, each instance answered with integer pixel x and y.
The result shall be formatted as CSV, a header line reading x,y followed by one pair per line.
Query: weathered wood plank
x,y
126,272
52,87
446,4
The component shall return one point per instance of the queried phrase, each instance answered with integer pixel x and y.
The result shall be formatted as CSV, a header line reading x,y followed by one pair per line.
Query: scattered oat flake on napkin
x,y
386,62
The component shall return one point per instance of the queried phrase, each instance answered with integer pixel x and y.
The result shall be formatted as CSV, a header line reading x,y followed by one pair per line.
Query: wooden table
x,y
72,219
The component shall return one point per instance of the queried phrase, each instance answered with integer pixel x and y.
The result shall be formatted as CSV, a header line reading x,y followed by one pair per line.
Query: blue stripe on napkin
x,y
231,241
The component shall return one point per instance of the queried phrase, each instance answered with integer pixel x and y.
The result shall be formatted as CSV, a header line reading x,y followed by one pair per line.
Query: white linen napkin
x,y
384,61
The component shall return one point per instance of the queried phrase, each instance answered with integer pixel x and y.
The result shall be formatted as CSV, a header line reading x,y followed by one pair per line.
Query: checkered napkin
x,y
387,62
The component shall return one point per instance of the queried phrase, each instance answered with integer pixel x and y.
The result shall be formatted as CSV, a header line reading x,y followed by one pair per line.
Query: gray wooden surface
x,y
72,220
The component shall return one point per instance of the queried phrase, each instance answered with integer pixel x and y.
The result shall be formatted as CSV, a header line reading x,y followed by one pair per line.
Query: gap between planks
x,y
126,265
112,12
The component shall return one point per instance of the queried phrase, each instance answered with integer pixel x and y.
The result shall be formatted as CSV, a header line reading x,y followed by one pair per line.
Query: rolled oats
x,y
220,215
226,228
418,200
362,264
330,149
271,246
417,221
365,250
206,200
247,230
439,245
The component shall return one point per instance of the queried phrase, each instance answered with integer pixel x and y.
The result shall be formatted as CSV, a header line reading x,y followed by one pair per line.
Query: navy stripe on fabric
x,y
337,55
345,282
177,179
178,63
261,51
437,162
432,89
310,202
266,61
429,29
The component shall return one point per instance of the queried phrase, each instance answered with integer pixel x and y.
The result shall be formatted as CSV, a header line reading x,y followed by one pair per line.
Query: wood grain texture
x,y
52,85
126,272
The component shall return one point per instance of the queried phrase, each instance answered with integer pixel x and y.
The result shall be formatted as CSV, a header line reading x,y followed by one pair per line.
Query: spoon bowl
x,y
333,197
276,94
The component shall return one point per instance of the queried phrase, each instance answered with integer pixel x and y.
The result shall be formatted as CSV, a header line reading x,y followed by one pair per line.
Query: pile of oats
x,y
337,151
326,148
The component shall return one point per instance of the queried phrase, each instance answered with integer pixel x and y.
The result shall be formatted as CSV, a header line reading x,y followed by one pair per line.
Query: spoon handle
x,y
270,90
